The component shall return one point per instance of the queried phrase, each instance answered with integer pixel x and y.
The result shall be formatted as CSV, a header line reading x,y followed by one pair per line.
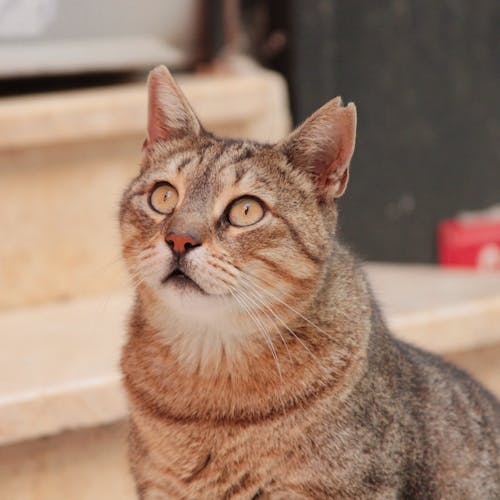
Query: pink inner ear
x,y
156,118
333,142
169,114
323,146
324,165
341,185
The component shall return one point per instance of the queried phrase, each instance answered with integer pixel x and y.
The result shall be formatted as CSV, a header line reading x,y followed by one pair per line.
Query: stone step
x,y
65,158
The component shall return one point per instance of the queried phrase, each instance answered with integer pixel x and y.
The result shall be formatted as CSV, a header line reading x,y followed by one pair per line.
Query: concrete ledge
x,y
60,361
438,309
222,102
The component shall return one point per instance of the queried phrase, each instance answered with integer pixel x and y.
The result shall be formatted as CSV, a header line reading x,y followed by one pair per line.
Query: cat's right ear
x,y
169,114
323,147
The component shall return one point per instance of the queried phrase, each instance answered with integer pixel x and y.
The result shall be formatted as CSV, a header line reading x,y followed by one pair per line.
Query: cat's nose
x,y
181,243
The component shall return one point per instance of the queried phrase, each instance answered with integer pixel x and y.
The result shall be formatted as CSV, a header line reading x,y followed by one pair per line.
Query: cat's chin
x,y
180,291
185,299
182,283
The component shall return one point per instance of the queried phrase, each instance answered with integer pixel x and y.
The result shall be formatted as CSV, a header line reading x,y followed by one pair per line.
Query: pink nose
x,y
181,243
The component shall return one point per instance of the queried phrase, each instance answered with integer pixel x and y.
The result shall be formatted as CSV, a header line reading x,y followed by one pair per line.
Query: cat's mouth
x,y
182,281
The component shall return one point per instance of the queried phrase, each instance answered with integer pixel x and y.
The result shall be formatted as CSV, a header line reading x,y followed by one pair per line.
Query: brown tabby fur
x,y
281,381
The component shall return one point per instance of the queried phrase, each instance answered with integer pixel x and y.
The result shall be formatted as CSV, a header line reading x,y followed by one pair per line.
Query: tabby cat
x,y
258,364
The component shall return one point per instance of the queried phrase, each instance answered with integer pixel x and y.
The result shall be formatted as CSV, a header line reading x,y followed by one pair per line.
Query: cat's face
x,y
213,228
212,221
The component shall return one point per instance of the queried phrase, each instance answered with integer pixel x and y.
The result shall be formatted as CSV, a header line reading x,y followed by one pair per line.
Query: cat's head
x,y
214,227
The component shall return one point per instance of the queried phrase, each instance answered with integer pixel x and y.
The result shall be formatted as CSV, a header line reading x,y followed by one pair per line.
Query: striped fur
x,y
277,377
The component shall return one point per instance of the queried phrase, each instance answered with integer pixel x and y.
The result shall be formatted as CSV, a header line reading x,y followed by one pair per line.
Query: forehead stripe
x,y
244,155
184,162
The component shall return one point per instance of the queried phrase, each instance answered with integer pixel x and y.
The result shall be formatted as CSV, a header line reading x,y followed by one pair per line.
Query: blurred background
x,y
423,199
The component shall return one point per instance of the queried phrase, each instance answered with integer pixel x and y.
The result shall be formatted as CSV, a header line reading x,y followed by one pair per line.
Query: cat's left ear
x,y
323,146
169,114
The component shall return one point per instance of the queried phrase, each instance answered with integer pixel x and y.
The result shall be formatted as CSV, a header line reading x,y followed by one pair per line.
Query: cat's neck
x,y
321,352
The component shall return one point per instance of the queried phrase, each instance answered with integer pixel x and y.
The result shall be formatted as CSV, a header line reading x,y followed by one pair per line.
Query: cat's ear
x,y
323,146
169,114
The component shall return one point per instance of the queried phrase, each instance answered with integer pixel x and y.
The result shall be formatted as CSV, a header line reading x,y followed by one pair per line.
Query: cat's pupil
x,y
247,208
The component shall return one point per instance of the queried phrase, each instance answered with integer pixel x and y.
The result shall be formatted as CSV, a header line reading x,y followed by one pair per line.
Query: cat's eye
x,y
245,212
163,198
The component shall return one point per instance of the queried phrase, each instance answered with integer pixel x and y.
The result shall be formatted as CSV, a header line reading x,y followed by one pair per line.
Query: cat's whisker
x,y
144,255
213,272
136,283
245,300
259,297
153,236
270,284
275,297
272,348
224,265
256,297
260,327
255,300
133,273
145,262
140,272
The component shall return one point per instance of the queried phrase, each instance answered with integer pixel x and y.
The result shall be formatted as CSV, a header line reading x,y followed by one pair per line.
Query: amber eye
x,y
245,212
163,198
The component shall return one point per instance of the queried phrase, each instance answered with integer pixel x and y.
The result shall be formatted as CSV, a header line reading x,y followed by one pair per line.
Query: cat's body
x,y
274,375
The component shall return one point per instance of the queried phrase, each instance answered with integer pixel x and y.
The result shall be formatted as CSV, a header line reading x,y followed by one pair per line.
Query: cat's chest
x,y
203,461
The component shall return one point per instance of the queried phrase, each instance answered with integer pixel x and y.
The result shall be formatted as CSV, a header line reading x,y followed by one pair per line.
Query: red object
x,y
469,242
